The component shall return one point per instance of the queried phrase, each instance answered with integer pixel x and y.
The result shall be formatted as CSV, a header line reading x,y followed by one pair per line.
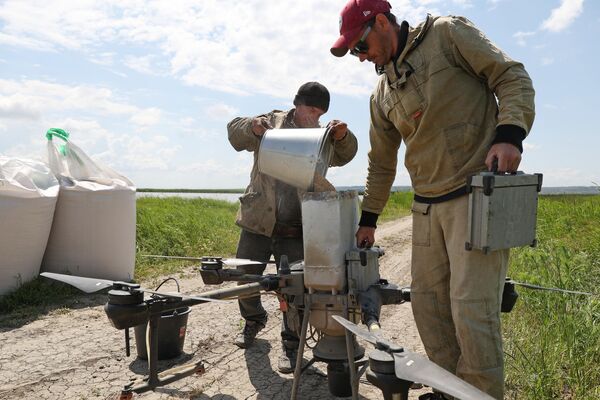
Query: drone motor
x,y
126,309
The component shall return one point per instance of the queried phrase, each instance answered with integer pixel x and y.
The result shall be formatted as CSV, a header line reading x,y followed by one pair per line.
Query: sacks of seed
x,y
28,193
93,233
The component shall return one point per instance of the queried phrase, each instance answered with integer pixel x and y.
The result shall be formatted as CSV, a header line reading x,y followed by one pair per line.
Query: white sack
x,y
93,233
28,193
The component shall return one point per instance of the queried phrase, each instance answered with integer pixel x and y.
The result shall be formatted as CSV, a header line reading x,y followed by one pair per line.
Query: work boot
x,y
246,337
287,360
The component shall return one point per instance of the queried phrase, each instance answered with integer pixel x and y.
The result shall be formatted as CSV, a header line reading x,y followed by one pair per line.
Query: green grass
x,y
152,190
170,226
182,227
33,294
552,340
397,206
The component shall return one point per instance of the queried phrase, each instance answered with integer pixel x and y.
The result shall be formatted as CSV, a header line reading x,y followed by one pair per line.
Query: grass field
x,y
552,340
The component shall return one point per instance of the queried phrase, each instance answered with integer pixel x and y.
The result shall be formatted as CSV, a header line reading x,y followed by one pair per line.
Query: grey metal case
x,y
502,210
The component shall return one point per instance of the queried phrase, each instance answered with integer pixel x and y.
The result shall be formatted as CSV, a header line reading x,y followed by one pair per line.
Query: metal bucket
x,y
294,155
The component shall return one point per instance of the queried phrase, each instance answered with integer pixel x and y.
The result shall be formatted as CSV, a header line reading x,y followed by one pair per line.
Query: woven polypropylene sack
x,y
93,233
28,193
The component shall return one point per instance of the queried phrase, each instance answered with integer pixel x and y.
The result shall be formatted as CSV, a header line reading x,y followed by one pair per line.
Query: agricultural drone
x,y
336,286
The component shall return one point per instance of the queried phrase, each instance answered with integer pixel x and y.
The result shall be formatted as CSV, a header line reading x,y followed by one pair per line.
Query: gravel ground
x,y
73,352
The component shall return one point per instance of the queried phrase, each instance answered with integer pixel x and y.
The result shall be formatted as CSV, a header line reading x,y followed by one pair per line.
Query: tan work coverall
x,y
452,90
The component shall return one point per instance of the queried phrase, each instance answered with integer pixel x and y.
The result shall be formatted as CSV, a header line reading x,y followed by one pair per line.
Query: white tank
x,y
329,223
28,193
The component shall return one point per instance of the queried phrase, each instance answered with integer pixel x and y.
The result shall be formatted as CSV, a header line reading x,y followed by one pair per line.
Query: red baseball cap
x,y
352,19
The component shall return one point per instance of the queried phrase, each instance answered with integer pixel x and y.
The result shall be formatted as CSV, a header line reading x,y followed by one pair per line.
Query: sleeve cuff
x,y
368,218
512,134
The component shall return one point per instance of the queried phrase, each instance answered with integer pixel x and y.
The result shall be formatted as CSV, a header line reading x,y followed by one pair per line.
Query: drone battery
x,y
502,210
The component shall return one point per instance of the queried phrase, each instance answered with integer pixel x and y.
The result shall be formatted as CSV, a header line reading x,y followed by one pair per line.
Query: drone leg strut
x,y
153,350
298,369
155,379
351,365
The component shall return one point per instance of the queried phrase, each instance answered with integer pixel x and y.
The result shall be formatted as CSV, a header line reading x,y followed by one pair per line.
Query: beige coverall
x,y
451,91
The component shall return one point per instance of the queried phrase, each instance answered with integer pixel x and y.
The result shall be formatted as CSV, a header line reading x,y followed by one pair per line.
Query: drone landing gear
x,y
154,379
341,373
381,374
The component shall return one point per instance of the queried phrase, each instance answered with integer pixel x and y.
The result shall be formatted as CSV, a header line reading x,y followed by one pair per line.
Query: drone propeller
x,y
91,285
416,368
88,285
238,262
228,262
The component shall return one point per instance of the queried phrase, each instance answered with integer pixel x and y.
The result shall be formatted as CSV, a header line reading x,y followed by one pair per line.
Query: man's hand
x,y
260,125
338,129
365,236
509,157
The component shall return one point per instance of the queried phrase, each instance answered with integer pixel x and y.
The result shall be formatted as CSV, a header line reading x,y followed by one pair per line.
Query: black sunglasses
x,y
361,47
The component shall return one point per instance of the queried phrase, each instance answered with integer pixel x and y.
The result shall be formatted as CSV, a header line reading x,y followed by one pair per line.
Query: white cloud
x,y
32,98
566,176
521,36
563,16
147,153
146,117
547,61
85,132
220,111
143,64
203,167
31,106
105,58
216,168
530,146
239,51
28,43
463,3
493,4
17,107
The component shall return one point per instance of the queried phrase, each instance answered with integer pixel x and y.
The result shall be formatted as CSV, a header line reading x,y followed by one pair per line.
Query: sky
x,y
148,87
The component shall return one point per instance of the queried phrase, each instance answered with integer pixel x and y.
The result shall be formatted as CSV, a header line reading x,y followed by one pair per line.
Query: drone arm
x,y
226,293
377,295
370,306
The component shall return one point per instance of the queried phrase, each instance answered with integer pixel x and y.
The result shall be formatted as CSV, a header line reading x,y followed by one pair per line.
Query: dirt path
x,y
74,353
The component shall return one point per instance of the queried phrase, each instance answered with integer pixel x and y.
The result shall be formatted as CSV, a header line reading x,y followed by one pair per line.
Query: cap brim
x,y
340,47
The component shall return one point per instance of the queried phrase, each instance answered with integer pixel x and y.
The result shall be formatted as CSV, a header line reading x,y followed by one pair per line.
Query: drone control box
x,y
502,210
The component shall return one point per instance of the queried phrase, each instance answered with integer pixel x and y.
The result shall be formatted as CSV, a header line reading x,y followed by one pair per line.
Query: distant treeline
x,y
360,189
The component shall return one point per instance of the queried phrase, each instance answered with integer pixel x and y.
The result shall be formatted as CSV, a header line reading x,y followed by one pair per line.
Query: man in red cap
x,y
459,104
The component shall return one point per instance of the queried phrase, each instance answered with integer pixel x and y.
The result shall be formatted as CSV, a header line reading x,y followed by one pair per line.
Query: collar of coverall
x,y
414,37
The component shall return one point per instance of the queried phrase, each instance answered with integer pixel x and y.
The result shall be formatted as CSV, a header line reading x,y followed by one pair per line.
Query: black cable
x,y
166,280
537,287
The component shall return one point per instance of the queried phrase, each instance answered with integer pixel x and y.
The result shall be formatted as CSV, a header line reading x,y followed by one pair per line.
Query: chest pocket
x,y
405,102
